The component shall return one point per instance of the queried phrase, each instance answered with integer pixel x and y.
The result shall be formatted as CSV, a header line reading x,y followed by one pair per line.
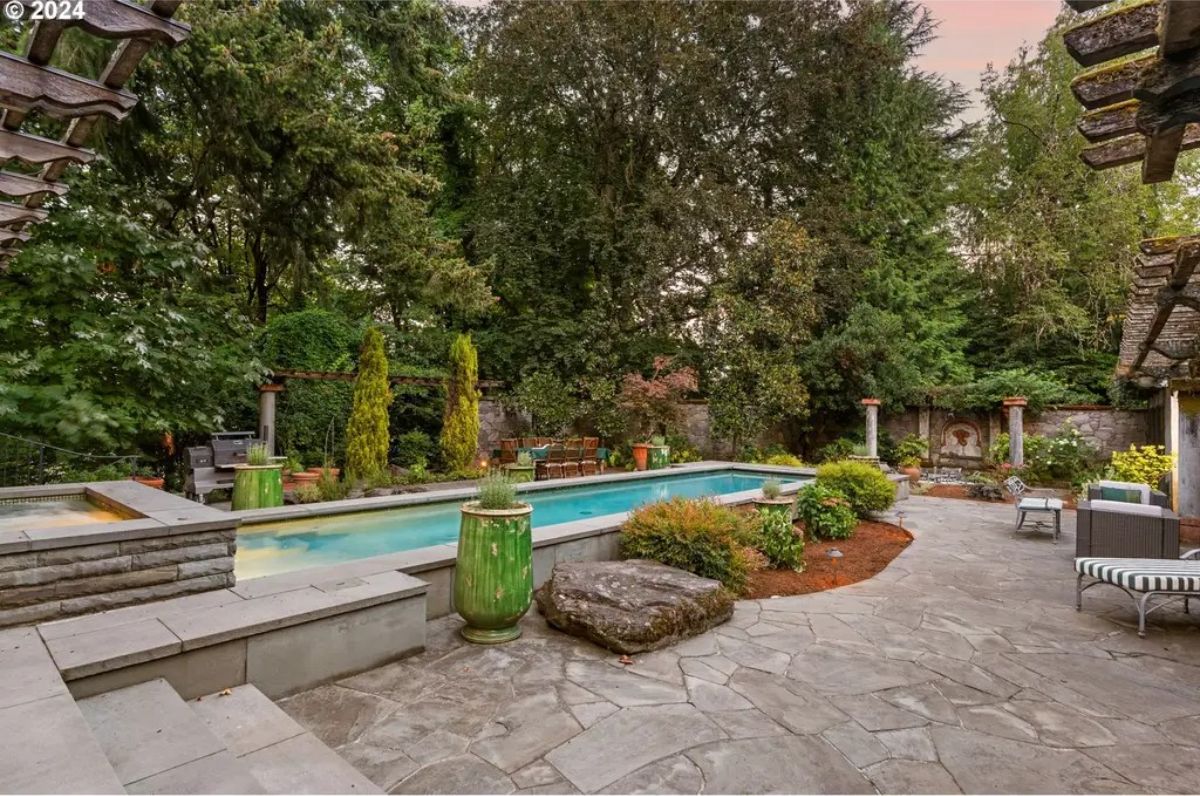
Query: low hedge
x,y
863,483
699,536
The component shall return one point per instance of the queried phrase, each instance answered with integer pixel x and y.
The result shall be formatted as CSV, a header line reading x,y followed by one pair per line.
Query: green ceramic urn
x,y
519,473
658,457
493,584
257,486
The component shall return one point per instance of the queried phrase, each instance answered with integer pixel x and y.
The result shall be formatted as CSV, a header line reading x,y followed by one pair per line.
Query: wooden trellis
x,y
1142,91
1162,324
34,165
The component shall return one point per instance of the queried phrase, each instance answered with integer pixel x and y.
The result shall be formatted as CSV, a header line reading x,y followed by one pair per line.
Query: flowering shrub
x,y
781,542
1142,465
862,483
825,512
698,536
653,404
1064,457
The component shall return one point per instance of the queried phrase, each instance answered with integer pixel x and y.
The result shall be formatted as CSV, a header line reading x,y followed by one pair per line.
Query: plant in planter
x,y
493,583
653,407
522,471
909,453
257,483
773,501
149,477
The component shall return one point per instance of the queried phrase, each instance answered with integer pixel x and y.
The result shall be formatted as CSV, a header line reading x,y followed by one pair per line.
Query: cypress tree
x,y
460,424
367,432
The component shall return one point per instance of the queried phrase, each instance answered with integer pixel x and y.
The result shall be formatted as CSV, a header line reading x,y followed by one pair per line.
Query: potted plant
x,y
909,453
521,472
148,477
258,483
658,453
493,583
773,501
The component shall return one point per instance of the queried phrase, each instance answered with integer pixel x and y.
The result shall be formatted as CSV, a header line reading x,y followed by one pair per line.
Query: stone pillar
x,y
872,405
1016,430
1187,456
923,431
266,415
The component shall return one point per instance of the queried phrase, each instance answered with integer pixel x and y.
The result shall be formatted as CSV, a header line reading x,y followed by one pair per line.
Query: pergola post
x,y
872,407
1016,429
266,415
1186,481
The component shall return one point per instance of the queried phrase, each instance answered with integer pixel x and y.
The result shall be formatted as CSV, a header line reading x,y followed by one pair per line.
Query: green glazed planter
x,y
659,456
519,474
784,506
257,486
493,583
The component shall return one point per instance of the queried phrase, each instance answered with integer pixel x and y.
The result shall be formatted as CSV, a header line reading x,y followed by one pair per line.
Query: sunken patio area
x,y
962,667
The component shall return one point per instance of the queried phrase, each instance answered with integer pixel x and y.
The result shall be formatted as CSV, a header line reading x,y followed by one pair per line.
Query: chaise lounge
x,y
1142,579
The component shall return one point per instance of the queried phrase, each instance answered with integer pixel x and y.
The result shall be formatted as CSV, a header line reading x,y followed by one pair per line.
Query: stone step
x,y
279,753
157,744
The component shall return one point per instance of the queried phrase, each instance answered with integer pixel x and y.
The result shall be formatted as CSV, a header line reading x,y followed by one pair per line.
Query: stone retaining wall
x,y
52,584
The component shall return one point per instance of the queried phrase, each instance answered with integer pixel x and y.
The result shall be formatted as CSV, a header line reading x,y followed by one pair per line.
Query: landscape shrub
x,y
862,483
307,493
1063,457
837,450
413,447
460,427
699,536
682,451
784,460
1142,465
910,451
825,512
367,435
781,542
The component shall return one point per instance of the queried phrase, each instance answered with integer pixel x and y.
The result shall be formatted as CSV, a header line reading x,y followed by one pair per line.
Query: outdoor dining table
x,y
540,453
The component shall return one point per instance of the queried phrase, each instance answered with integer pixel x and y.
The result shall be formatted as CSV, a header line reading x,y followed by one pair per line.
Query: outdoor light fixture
x,y
835,556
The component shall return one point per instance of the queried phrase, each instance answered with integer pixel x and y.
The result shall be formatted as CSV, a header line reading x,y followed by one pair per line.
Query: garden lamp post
x,y
835,556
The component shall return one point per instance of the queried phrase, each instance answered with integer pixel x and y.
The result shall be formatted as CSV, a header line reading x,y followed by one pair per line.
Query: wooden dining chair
x,y
508,451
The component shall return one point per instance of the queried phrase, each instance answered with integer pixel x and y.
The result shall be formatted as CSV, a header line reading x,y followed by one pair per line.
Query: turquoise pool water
x,y
296,544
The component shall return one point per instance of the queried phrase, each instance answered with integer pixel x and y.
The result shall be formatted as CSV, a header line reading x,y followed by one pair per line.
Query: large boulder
x,y
631,606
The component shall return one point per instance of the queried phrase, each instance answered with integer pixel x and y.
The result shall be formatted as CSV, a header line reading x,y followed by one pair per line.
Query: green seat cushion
x,y
1123,495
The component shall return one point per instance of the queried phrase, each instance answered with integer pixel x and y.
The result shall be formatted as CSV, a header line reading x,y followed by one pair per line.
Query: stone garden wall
x,y
51,584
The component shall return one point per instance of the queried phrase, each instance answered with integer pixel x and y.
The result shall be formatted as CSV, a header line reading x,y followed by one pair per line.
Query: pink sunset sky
x,y
974,33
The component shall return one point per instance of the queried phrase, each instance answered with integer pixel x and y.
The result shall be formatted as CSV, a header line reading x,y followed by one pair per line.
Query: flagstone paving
x,y
961,667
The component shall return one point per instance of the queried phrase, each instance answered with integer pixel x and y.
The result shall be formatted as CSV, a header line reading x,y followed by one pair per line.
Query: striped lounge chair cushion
x,y
1143,574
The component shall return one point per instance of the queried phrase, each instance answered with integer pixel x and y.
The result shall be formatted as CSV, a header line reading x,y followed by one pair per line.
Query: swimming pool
x,y
272,548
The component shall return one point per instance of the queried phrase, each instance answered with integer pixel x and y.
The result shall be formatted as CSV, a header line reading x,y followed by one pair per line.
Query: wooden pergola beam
x,y
1187,259
22,185
1180,27
118,19
34,150
20,214
1110,84
1131,149
1113,121
26,86
1124,31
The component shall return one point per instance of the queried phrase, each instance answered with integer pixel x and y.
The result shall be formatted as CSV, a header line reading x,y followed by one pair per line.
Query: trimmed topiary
x,y
460,424
825,512
367,434
862,483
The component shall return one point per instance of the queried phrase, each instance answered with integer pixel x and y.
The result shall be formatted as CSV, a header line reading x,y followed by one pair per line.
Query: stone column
x,y
1016,430
872,405
923,430
1187,457
266,415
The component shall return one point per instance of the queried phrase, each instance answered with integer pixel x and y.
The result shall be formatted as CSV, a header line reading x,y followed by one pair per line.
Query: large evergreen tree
x,y
367,439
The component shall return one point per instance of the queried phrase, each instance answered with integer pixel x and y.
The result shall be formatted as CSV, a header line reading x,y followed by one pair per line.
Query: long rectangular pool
x,y
272,548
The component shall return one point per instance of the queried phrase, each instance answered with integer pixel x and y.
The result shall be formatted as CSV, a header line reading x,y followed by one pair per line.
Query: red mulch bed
x,y
866,553
959,492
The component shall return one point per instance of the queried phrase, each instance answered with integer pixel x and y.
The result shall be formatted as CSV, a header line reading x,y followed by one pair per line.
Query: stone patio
x,y
962,667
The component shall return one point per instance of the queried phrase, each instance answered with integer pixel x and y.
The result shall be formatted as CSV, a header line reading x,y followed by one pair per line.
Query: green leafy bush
x,y
910,451
1063,457
784,460
1142,465
460,428
825,512
699,536
862,483
682,451
367,430
331,488
781,542
413,447
837,450
496,492
307,493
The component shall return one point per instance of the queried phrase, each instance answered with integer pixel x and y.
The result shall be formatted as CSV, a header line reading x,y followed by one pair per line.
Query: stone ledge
x,y
105,642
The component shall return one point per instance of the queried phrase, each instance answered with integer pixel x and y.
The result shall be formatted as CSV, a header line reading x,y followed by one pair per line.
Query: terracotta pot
x,y
913,473
150,481
641,455
493,578
305,477
333,471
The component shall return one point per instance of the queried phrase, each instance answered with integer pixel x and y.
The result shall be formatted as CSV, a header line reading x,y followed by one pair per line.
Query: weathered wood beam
x,y
20,185
119,19
1162,150
1110,84
1187,259
1124,31
1180,31
62,95
1114,121
1086,5
1164,79
34,150
19,214
10,235
1130,149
